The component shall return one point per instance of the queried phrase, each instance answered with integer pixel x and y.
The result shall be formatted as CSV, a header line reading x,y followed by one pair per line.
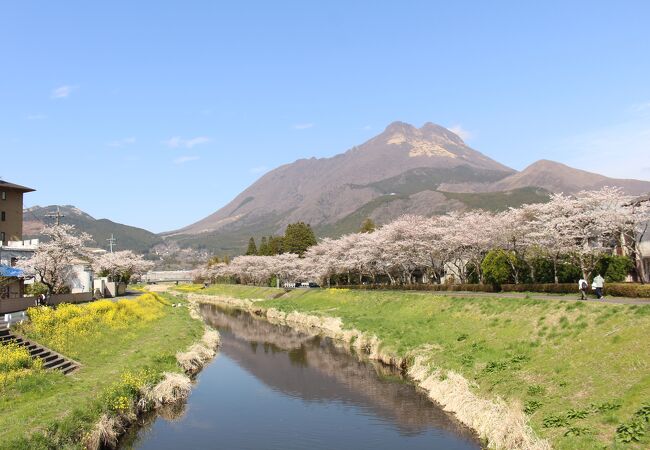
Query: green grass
x,y
67,406
569,363
232,290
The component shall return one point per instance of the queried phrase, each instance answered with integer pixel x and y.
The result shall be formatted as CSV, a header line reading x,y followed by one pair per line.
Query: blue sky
x,y
156,114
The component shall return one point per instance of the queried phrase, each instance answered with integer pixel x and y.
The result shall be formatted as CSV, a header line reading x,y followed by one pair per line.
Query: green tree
x,y
263,250
252,248
497,266
276,245
298,237
368,226
614,268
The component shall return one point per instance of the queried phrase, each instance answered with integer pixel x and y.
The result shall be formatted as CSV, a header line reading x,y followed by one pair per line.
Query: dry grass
x,y
502,425
173,388
193,360
105,433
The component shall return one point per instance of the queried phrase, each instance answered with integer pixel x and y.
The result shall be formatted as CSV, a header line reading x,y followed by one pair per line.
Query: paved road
x,y
539,296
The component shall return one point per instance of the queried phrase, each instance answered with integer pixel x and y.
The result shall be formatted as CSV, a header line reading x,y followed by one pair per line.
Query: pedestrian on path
x,y
597,285
582,287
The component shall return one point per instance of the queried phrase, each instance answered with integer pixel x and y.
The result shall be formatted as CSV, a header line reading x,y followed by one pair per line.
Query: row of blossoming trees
x,y
53,261
568,230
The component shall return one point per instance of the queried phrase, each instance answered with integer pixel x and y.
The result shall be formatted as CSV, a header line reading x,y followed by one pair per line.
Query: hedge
x,y
425,287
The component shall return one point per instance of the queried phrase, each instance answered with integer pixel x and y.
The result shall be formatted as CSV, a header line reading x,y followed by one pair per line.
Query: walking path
x,y
541,296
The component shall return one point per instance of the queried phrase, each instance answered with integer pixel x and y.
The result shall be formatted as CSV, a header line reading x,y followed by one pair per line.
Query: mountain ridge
x,y
127,237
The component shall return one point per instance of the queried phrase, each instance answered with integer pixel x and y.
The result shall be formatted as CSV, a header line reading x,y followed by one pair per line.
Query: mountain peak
x,y
400,127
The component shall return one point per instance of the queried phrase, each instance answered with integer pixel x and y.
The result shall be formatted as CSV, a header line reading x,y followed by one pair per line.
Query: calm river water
x,y
273,388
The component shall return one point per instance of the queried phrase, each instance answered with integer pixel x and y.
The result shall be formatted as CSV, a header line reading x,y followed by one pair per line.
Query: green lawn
x,y
569,363
232,290
65,407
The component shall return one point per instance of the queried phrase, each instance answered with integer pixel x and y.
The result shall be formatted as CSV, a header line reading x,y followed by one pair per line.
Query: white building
x,y
15,251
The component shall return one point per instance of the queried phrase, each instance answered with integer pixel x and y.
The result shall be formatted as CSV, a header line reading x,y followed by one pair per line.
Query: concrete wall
x,y
20,304
107,288
81,278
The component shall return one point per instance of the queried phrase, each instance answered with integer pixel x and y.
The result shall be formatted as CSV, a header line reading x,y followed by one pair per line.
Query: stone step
x,y
54,363
51,359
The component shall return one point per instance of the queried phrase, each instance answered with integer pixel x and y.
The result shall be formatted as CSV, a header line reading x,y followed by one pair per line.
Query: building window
x,y
3,216
3,195
2,236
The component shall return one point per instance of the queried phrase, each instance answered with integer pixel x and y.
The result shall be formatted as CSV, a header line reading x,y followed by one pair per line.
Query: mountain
x,y
405,169
127,237
557,177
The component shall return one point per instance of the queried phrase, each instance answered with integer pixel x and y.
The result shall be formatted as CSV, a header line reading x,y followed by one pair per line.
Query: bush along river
x,y
271,387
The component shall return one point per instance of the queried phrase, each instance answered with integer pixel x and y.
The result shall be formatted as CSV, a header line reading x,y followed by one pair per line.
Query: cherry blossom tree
x,y
581,228
52,261
122,266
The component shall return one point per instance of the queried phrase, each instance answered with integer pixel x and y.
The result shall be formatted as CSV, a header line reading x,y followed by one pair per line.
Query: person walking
x,y
597,285
582,287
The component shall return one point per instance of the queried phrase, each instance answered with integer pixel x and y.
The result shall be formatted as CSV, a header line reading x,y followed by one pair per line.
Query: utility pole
x,y
57,215
111,242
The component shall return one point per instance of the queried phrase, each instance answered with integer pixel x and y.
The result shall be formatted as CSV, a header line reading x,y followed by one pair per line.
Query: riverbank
x,y
573,372
128,353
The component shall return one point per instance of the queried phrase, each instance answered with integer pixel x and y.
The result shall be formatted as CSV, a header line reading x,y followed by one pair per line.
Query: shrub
x,y
531,406
630,432
577,414
35,289
496,266
614,268
554,421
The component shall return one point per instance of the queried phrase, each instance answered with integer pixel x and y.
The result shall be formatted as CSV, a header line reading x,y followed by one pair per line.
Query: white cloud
x,y
62,92
179,142
302,126
184,159
461,132
37,116
122,142
367,127
259,170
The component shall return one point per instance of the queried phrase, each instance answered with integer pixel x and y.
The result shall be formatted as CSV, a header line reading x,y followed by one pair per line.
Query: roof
x,y
6,271
16,187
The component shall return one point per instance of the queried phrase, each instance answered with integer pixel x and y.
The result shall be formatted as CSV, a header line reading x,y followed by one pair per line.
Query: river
x,y
271,387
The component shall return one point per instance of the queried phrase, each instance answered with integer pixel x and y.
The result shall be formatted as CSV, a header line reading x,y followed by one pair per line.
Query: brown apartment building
x,y
11,211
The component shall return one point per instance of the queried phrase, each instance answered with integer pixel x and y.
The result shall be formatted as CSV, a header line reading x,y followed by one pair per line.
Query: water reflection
x,y
274,388
317,369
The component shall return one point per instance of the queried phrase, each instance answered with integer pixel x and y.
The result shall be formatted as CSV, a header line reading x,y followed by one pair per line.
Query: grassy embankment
x,y
580,370
122,347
